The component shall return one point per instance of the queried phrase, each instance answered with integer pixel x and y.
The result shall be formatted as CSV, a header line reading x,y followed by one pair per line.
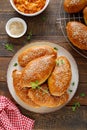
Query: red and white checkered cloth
x,y
11,118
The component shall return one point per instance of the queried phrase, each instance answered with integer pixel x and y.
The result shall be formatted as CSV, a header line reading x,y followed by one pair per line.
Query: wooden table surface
x,y
44,27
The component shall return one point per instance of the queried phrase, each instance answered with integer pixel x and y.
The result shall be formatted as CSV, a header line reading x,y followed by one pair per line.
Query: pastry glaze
x,y
77,34
35,52
22,93
74,6
60,78
38,69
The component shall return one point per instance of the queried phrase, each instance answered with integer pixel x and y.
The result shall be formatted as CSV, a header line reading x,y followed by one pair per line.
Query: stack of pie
x,y
44,77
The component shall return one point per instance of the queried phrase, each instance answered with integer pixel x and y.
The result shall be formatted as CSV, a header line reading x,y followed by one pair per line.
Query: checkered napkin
x,y
11,118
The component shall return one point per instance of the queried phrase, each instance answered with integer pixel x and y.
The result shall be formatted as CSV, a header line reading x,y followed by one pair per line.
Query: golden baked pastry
x,y
42,97
74,6
77,34
85,14
35,52
38,69
22,93
60,78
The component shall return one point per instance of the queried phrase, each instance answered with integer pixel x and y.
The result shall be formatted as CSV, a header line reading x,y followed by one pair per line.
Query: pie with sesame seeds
x,y
77,34
74,6
60,78
22,93
44,98
38,69
37,97
35,52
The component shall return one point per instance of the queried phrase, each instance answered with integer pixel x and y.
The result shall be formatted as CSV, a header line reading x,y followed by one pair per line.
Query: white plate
x,y
61,52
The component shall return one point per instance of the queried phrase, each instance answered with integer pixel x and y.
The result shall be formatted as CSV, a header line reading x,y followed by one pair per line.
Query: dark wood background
x,y
64,119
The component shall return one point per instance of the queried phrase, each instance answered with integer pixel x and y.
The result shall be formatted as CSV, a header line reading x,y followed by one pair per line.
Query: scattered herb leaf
x,y
82,95
60,62
44,90
9,47
43,18
75,106
29,35
73,83
15,64
70,90
55,48
57,62
35,85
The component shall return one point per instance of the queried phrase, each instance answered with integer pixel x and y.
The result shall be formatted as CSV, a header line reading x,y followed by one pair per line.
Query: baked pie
x,y
35,52
60,78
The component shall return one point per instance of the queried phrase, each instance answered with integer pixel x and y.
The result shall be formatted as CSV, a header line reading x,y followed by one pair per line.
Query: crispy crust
x,y
22,93
46,99
60,78
85,14
37,70
74,6
35,52
77,34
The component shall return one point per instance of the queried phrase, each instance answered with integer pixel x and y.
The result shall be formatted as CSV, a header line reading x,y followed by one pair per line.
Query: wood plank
x,y
18,43
54,120
3,68
36,24
77,98
63,119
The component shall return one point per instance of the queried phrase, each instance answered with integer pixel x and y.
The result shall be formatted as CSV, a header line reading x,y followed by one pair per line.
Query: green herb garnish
x,y
55,48
44,90
35,85
82,95
70,90
60,62
73,83
9,47
75,106
15,64
43,18
57,62
29,35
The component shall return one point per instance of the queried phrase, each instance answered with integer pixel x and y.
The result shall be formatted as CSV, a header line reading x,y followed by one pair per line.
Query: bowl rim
x,y
12,20
34,14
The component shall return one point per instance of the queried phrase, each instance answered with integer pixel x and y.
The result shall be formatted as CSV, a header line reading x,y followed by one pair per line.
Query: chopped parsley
x,y
44,90
29,35
73,83
15,64
60,62
55,48
70,90
82,95
35,85
9,47
43,18
75,106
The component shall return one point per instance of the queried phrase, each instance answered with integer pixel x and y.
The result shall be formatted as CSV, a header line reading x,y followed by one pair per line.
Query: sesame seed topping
x,y
74,2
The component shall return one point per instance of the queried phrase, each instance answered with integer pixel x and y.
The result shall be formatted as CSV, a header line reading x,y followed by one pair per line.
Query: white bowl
x,y
12,20
27,14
